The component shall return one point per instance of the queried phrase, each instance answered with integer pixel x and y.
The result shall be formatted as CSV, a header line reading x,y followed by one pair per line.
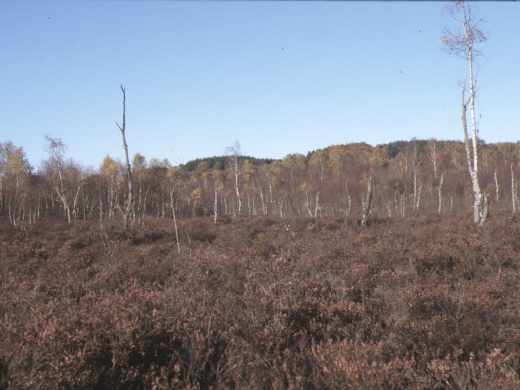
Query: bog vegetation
x,y
299,303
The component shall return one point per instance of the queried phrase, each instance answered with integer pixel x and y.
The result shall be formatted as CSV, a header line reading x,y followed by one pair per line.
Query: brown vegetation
x,y
261,303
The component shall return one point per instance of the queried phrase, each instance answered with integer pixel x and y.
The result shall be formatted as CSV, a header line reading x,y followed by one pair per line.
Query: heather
x,y
258,303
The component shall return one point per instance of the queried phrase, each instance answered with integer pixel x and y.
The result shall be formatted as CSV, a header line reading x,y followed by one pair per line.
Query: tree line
x,y
406,178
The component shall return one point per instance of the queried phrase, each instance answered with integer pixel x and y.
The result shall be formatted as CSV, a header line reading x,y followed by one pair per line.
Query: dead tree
x,y
366,203
462,43
122,129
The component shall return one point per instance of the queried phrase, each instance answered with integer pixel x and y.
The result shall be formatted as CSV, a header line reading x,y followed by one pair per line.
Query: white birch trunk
x,y
317,204
215,207
497,188
513,189
439,205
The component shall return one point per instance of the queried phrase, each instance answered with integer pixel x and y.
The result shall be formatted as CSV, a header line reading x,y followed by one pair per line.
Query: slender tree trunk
x,y
65,204
237,189
497,188
75,205
418,200
367,203
215,208
174,217
414,187
122,128
434,158
349,206
100,210
262,201
513,189
479,208
439,205
308,204
110,199
317,204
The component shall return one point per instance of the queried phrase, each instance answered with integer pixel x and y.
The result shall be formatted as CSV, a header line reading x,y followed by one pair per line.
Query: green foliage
x,y
221,162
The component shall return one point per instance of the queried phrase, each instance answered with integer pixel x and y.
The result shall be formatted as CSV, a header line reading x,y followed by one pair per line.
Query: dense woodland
x,y
410,178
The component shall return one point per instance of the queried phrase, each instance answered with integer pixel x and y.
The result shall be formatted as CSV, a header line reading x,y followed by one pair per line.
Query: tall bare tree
x,y
463,42
122,129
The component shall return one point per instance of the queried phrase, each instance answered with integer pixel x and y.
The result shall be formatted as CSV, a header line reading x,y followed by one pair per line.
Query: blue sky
x,y
280,78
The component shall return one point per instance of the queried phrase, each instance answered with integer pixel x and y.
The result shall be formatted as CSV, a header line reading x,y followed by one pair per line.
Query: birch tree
x,y
439,197
234,151
56,166
463,42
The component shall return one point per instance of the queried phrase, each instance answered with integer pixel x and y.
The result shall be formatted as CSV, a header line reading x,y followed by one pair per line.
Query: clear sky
x,y
281,78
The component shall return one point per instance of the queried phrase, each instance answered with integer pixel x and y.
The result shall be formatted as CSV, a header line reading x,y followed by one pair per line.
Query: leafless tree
x,y
463,42
122,129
